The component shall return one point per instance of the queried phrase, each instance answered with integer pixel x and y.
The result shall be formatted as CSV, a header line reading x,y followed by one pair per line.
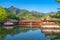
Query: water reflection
x,y
20,33
52,35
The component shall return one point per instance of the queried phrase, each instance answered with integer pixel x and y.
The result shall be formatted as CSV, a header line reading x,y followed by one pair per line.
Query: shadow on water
x,y
21,33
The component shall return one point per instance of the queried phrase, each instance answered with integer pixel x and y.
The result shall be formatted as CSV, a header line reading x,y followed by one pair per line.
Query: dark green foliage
x,y
56,15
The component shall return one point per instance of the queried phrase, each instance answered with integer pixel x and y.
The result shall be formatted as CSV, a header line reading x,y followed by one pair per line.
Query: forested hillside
x,y
16,13
23,14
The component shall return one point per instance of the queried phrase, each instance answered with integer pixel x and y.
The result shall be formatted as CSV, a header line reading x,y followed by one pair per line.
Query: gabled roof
x,y
11,20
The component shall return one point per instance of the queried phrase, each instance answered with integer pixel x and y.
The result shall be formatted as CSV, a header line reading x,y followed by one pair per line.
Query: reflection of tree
x,y
52,35
12,32
26,29
57,36
4,32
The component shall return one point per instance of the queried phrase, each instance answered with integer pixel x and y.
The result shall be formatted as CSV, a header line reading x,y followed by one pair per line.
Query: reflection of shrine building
x,y
50,28
51,35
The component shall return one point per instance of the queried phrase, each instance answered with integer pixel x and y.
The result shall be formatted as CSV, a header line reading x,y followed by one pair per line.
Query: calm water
x,y
26,34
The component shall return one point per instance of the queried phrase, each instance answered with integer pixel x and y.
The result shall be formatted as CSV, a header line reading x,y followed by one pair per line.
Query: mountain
x,y
21,13
13,9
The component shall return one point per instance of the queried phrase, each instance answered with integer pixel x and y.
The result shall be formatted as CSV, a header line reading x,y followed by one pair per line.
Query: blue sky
x,y
32,5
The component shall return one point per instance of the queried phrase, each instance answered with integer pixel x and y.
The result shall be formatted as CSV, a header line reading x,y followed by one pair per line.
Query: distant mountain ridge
x,y
17,10
23,12
12,9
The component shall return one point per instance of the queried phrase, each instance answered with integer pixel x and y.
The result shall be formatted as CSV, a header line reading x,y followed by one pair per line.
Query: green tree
x,y
22,13
57,0
28,16
3,14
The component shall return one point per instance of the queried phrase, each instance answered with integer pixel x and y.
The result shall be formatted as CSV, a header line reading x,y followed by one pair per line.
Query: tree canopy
x,y
57,0
3,14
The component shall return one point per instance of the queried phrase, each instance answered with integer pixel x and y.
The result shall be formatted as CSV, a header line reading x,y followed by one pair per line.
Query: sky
x,y
44,6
